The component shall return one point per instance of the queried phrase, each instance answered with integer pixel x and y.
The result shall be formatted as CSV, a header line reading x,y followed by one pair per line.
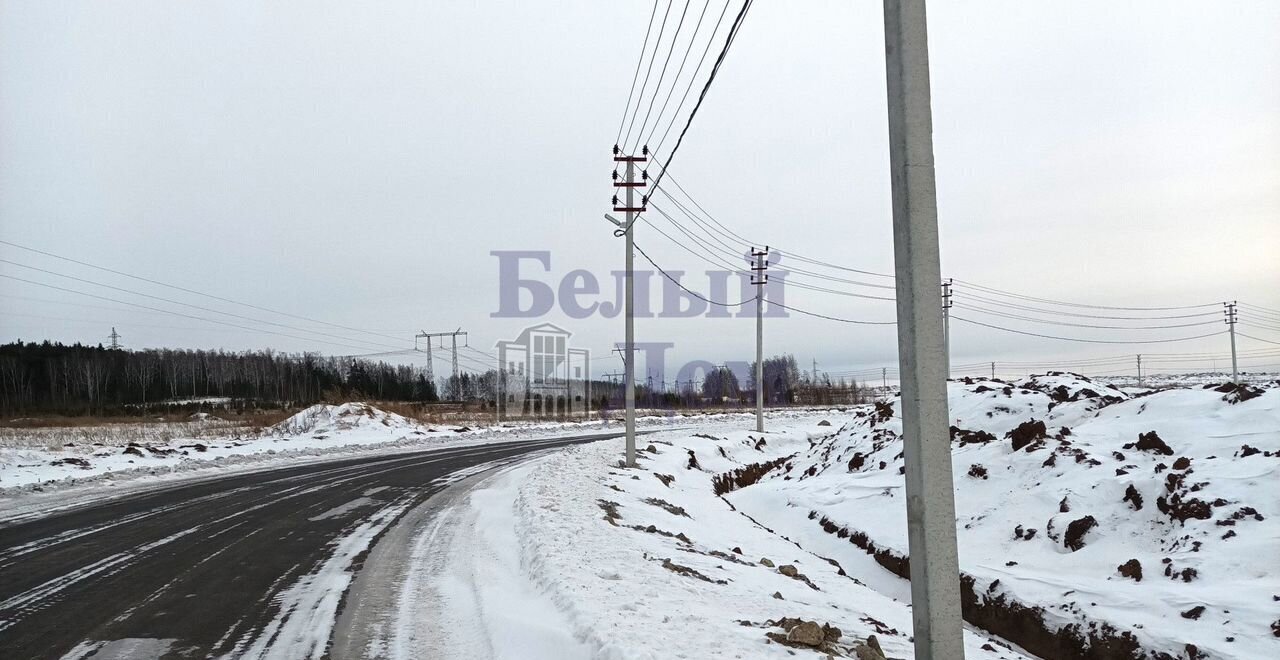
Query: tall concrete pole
x,y
628,299
1231,328
759,357
931,518
759,267
946,324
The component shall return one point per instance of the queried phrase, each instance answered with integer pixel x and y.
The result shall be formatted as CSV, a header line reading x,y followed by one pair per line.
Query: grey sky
x,y
357,162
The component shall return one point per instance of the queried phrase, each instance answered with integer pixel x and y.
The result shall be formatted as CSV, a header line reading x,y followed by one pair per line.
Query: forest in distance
x,y
50,378
76,379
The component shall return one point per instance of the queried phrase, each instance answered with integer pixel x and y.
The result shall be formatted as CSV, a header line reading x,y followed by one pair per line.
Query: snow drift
x,y
1131,526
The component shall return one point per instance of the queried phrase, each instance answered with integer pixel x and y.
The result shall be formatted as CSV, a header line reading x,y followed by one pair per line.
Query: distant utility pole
x,y
630,184
455,334
431,376
931,512
946,324
760,277
815,370
1139,370
1230,314
884,378
993,371
115,339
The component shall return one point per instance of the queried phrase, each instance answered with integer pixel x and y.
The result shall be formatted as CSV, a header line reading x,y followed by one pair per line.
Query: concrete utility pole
x,y
1230,313
760,277
931,514
946,324
993,371
884,379
630,184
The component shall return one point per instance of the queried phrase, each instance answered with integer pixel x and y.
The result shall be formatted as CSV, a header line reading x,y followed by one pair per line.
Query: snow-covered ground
x,y
1093,521
190,449
1063,494
467,594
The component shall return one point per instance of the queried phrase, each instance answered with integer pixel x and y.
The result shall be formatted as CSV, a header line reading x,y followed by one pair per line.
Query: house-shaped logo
x,y
542,375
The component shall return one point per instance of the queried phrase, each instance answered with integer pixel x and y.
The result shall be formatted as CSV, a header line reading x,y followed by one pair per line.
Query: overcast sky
x,y
357,163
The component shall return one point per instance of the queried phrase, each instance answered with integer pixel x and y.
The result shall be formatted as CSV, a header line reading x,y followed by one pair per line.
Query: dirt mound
x,y
1149,441
1076,531
1026,433
1131,569
967,437
326,418
1234,393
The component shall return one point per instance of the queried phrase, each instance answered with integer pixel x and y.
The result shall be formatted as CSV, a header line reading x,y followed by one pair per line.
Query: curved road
x,y
225,567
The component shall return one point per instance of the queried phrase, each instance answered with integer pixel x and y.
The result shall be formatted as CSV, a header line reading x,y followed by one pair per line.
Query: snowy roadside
x,y
449,581
35,481
320,430
652,563
1078,537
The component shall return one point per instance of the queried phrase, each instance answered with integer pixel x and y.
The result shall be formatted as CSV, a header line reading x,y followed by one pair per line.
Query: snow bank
x,y
1093,522
651,563
1144,524
171,452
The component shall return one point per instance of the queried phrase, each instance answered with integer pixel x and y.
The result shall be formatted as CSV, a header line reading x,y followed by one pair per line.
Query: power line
x,y
636,75
713,232
693,78
189,316
715,69
184,304
652,58
771,302
1054,312
657,88
993,312
1265,309
831,318
791,254
712,260
686,289
191,291
1082,305
1265,341
1089,341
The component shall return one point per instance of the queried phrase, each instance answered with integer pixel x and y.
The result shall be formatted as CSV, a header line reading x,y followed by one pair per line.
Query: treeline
x,y
54,378
784,384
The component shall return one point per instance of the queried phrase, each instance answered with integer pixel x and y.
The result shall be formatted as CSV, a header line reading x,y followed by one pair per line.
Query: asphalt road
x,y
198,570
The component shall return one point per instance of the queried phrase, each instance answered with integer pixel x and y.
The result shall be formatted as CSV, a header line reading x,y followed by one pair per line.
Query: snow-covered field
x,y
1092,523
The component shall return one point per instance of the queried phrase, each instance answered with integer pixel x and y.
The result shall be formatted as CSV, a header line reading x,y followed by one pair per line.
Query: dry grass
x,y
61,432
